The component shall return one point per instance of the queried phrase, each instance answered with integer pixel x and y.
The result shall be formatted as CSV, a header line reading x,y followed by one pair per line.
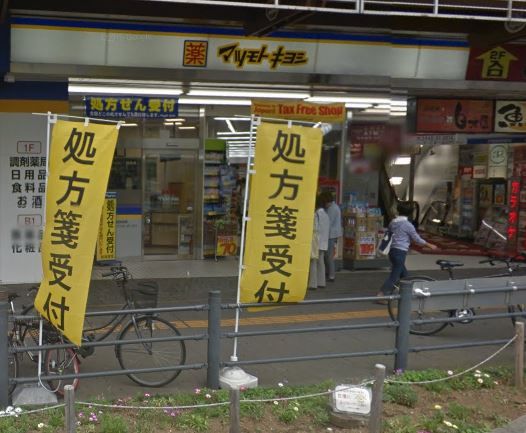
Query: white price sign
x,y
352,399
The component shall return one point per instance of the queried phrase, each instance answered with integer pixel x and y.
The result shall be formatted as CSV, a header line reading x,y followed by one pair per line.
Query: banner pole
x,y
244,220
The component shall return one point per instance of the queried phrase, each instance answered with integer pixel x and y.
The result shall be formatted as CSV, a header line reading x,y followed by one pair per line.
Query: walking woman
x,y
320,243
403,233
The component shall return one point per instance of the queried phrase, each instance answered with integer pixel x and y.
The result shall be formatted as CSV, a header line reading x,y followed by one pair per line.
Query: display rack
x,y
186,235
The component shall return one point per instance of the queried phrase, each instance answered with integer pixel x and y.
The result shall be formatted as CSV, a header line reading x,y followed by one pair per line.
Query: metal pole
x,y
214,339
234,411
519,354
69,408
404,325
375,420
4,358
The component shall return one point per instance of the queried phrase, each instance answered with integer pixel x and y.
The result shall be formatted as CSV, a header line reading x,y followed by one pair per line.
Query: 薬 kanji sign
x,y
79,167
281,214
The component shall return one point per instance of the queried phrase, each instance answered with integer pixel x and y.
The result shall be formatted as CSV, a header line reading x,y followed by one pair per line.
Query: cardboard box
x,y
375,223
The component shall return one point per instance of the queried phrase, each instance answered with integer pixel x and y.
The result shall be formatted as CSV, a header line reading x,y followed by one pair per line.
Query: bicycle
x,y
56,362
466,315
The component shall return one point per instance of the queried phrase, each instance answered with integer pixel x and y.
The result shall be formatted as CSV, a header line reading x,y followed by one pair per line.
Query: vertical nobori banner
x,y
281,214
106,249
79,165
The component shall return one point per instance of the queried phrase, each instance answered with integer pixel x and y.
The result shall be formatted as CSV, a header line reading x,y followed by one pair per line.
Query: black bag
x,y
384,246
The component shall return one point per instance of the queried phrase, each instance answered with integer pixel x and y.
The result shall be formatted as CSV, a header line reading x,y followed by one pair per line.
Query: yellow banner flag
x,y
281,214
106,242
79,165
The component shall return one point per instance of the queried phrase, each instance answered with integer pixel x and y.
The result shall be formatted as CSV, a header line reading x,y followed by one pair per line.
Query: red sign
x,y
454,115
502,63
513,214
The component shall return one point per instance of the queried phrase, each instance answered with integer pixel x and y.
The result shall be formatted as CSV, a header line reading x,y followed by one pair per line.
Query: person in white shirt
x,y
321,231
335,218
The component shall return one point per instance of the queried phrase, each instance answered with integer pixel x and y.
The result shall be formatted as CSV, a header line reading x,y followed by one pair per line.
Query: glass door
x,y
170,208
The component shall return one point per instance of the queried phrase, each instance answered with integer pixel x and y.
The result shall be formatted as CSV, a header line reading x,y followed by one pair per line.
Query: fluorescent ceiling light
x,y
398,113
396,180
391,107
210,101
186,127
233,133
179,119
248,94
174,123
349,99
435,220
402,160
377,111
241,119
357,105
230,126
129,124
122,90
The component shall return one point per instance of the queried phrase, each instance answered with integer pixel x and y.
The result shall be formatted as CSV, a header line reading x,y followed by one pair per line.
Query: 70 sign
x,y
227,245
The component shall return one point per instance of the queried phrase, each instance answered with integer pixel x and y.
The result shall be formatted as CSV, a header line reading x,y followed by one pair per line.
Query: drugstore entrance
x,y
169,202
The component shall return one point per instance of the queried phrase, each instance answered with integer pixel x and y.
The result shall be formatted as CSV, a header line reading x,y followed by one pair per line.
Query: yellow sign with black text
x,y
79,166
106,241
281,214
299,110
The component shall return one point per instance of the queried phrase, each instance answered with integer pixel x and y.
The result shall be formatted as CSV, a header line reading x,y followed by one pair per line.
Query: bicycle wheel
x,y
12,365
59,362
519,308
28,332
151,355
423,329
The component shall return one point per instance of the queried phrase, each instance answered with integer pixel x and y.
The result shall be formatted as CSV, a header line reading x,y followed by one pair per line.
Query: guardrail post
x,y
235,426
69,408
404,325
214,339
375,419
4,356
519,354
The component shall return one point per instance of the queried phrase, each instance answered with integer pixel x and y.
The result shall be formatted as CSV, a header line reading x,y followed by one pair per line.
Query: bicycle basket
x,y
143,294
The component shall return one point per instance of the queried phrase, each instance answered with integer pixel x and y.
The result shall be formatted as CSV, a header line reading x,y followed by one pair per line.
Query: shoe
x,y
380,301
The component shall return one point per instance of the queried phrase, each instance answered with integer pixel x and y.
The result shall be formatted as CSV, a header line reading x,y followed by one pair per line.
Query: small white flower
x,y
477,375
450,373
40,425
9,409
18,410
280,385
495,382
208,396
486,375
2,412
78,422
438,407
477,371
480,380
448,423
296,408
454,426
275,402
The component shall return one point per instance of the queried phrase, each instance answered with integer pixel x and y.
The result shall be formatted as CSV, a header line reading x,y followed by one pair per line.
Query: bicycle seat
x,y
444,264
11,297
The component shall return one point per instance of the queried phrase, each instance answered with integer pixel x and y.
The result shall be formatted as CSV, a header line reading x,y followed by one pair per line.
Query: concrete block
x,y
33,395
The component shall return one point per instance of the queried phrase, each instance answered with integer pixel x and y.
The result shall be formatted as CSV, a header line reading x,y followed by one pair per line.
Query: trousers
x,y
317,271
398,270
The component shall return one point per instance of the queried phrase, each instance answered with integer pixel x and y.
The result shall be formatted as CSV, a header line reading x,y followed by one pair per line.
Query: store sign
x,y
227,245
241,55
125,107
510,116
498,161
106,249
281,214
480,172
454,115
79,167
22,192
433,139
299,110
513,211
502,63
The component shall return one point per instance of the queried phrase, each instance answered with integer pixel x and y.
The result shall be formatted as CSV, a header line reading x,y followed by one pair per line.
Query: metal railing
x,y
410,298
513,11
